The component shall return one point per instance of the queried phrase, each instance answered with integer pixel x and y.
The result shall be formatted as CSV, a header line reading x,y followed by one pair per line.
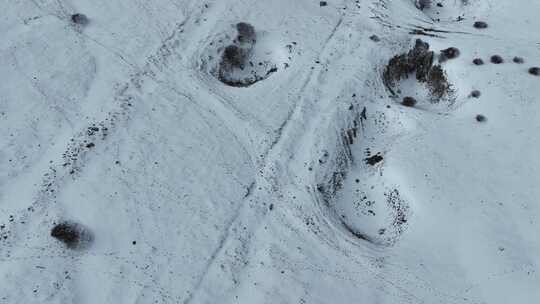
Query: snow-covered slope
x,y
290,173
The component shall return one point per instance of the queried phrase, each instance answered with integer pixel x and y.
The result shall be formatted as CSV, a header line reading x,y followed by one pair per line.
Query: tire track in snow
x,y
243,212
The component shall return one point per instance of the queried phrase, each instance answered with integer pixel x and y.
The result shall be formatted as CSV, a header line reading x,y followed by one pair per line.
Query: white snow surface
x,y
199,192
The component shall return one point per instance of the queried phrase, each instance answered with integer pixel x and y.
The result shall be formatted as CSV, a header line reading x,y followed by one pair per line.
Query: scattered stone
x,y
496,59
409,101
480,25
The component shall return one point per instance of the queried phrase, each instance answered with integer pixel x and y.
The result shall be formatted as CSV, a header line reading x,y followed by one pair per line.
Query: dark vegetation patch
x,y
73,235
534,71
518,60
408,101
496,59
374,38
478,61
480,25
79,19
246,33
449,53
238,66
476,94
437,82
480,118
400,211
323,3
419,62
423,4
373,160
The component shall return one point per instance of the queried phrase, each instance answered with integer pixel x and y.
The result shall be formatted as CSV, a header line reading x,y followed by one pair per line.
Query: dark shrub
x,y
534,71
418,61
409,101
518,60
478,61
246,33
80,19
375,38
476,94
496,59
449,53
71,234
480,25
323,3
480,118
234,56
437,82
423,4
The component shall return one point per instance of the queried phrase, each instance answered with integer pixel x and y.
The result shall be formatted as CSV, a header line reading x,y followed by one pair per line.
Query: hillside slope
x,y
275,161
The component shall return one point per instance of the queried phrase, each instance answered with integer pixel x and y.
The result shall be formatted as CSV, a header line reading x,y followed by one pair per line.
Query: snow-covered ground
x,y
302,179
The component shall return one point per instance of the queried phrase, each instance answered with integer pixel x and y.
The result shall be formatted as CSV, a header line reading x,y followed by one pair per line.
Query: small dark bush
x,y
478,61
71,234
534,71
80,19
518,60
496,59
423,4
323,3
234,56
480,25
449,53
438,82
409,101
375,38
246,33
418,61
476,94
480,118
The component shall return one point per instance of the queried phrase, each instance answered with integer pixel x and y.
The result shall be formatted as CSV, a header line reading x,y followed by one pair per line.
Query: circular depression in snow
x,y
246,57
